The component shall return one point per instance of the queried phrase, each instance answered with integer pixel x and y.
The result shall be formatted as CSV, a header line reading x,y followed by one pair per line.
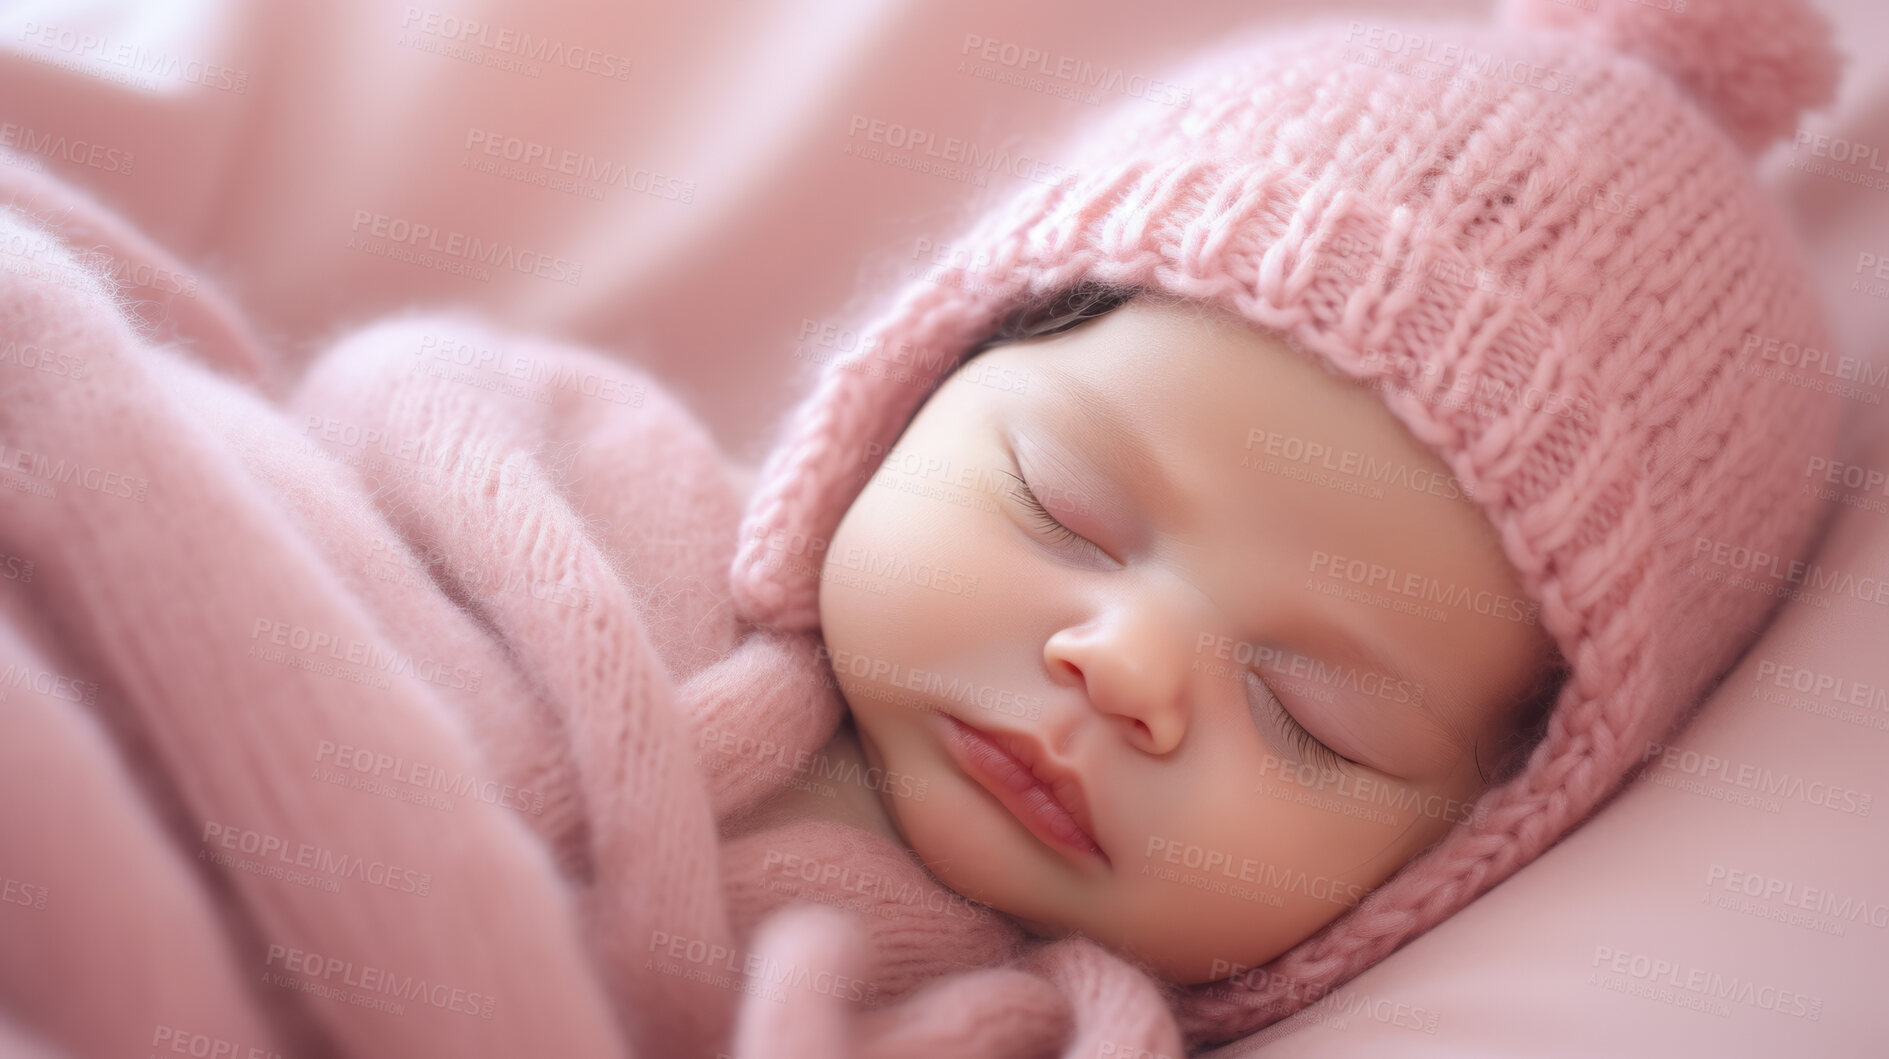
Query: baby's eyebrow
x,y
1124,452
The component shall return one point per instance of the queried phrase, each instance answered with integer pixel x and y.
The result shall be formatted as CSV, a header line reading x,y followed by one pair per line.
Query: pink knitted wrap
x,y
1543,245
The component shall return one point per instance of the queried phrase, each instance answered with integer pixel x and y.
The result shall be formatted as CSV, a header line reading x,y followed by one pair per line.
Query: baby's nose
x,y
1136,665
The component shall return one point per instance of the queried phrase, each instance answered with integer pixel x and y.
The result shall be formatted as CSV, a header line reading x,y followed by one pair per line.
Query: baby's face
x,y
1136,632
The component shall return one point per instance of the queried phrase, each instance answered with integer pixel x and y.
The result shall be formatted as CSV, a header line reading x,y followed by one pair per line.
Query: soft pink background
x,y
753,104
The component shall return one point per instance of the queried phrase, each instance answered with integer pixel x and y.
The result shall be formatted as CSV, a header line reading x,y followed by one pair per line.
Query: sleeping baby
x,y
1253,546
1271,536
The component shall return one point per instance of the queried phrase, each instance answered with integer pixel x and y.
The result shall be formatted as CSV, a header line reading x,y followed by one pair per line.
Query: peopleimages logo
x,y
1759,779
1810,359
14,568
1814,900
31,357
1823,685
1305,668
1695,986
577,165
45,682
456,249
22,893
359,983
1067,71
422,776
1360,796
930,683
748,971
1324,1002
540,374
371,656
135,58
50,469
1838,149
1424,588
1350,463
1848,475
1781,570
953,151
809,763
1401,47
1264,874
54,145
888,893
516,44
275,852
882,567
176,1041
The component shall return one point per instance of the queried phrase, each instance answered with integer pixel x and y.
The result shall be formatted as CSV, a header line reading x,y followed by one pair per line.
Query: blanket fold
x,y
400,709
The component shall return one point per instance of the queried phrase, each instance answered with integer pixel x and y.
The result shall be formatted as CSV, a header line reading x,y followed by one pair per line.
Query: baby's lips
x,y
1041,779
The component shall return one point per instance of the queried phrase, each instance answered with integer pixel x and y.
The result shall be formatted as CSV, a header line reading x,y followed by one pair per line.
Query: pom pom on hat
x,y
1754,64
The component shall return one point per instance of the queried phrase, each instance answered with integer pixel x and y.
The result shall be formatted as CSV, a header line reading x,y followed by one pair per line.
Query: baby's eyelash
x,y
1304,742
1062,535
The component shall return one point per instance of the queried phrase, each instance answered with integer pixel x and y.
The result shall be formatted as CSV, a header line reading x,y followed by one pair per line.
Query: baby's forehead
x,y
1172,372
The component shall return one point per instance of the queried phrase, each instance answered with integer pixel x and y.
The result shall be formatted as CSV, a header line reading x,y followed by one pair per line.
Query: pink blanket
x,y
401,711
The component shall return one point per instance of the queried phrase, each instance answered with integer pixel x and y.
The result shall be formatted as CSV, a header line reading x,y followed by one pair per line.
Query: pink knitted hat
x,y
1498,228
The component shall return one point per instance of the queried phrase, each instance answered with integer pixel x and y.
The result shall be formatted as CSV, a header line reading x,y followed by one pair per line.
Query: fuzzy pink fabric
x,y
401,711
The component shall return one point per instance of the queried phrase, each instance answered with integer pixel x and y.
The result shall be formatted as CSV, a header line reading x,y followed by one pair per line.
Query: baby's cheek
x,y
911,579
